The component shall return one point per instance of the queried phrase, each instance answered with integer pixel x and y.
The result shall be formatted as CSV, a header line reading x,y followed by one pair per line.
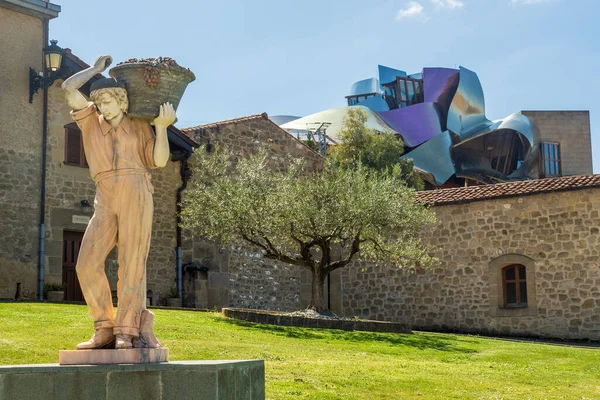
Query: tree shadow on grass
x,y
419,341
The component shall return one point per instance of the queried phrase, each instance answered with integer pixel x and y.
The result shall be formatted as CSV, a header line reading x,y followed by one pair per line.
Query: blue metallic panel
x,y
432,159
365,86
417,123
375,103
467,110
387,74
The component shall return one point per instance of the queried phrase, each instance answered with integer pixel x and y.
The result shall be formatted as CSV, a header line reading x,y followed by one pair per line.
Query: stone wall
x,y
21,39
238,276
19,219
571,129
555,235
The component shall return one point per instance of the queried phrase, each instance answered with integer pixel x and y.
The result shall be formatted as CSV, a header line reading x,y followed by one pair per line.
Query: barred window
x,y
74,154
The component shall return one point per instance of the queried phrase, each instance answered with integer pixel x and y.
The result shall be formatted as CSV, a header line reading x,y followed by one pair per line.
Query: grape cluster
x,y
152,71
151,76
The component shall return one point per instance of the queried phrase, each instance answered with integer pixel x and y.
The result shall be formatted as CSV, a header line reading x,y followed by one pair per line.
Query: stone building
x,y
518,258
21,22
42,167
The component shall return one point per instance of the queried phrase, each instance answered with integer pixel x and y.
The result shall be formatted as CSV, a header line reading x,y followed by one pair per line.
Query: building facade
x,y
23,36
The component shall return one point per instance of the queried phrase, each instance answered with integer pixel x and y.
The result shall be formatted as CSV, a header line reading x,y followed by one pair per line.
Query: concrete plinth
x,y
103,357
222,380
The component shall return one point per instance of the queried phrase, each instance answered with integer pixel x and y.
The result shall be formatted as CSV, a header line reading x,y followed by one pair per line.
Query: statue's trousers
x,y
123,204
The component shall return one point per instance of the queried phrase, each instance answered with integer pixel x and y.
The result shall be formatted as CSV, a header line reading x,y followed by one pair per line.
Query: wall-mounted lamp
x,y
53,58
86,207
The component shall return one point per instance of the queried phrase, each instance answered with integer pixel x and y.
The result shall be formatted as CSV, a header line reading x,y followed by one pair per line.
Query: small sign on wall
x,y
81,219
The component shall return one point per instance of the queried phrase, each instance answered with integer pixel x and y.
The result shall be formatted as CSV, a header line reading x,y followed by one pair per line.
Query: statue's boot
x,y
147,339
123,342
102,339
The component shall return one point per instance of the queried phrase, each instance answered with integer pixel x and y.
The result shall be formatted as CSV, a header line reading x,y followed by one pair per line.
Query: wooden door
x,y
71,245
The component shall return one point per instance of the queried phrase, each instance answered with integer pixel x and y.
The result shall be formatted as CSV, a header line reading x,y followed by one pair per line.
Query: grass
x,y
329,364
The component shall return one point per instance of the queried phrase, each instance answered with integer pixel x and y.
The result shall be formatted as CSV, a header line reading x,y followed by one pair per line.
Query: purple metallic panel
x,y
439,85
417,123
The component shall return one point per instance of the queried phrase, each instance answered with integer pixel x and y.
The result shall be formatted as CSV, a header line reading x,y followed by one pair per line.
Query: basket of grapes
x,y
151,82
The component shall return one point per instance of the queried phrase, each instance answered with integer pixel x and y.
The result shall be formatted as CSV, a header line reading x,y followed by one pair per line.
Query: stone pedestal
x,y
206,380
104,357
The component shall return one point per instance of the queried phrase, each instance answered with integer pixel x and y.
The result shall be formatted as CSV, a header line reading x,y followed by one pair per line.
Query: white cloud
x,y
530,1
448,3
412,10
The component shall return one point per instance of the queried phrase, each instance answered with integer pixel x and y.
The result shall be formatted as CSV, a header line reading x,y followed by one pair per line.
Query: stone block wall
x,y
555,235
21,37
259,283
571,129
19,220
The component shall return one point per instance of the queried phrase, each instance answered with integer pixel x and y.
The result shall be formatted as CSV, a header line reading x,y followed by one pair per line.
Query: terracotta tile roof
x,y
509,189
227,122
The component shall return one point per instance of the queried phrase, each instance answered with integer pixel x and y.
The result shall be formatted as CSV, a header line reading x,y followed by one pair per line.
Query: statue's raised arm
x,y
71,86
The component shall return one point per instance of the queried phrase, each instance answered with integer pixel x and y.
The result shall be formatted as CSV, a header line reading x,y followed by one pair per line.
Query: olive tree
x,y
359,145
319,221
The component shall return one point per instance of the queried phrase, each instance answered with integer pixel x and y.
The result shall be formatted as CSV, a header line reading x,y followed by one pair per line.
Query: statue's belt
x,y
124,172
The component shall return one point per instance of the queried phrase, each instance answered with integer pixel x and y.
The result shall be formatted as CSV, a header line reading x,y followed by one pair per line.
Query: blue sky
x,y
300,57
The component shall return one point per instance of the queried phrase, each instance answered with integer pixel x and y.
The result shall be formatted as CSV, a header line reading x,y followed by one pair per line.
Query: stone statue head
x,y
110,97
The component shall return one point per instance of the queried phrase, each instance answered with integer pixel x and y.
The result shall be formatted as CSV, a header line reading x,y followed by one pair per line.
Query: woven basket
x,y
145,101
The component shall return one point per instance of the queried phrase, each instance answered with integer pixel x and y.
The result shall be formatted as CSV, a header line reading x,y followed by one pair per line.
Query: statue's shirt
x,y
130,146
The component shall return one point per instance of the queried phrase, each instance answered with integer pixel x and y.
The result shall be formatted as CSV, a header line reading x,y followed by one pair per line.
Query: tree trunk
x,y
317,300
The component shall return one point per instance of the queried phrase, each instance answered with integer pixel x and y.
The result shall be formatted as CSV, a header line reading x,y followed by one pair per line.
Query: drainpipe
x,y
185,174
42,233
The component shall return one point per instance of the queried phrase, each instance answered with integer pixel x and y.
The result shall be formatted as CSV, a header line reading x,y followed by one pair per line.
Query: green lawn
x,y
329,364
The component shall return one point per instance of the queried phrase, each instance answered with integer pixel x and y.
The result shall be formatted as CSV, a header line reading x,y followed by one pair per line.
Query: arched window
x,y
512,286
514,283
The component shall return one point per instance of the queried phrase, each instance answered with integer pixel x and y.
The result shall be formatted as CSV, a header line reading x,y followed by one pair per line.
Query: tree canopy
x,y
374,150
318,221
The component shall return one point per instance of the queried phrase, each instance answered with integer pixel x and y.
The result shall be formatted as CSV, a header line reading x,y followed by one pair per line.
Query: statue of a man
x,y
119,152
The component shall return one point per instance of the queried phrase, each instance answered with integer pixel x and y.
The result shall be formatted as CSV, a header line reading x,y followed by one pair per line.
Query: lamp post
x,y
52,61
53,58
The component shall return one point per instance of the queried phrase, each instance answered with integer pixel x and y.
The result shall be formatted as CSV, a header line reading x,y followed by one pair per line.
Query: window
x,y
512,288
514,285
550,159
403,92
74,154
